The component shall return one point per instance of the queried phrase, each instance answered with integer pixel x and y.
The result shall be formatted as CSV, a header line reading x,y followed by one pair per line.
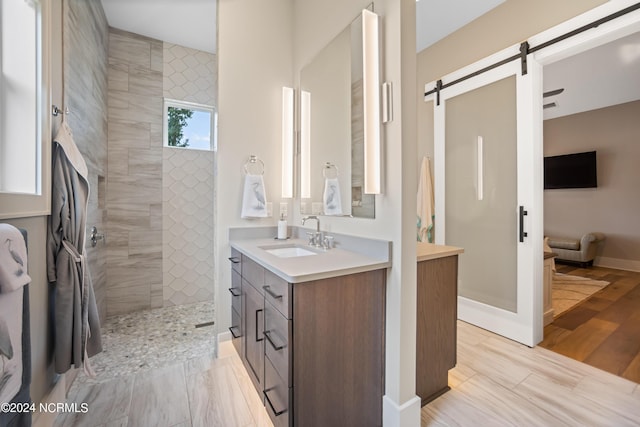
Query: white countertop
x,y
325,264
428,251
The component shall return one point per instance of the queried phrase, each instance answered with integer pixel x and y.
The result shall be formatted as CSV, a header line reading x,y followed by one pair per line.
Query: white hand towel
x,y
13,259
331,198
254,199
425,205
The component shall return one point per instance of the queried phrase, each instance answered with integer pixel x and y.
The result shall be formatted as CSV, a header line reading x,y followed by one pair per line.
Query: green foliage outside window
x,y
178,118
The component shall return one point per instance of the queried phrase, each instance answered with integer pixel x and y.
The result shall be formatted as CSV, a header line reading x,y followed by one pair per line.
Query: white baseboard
x,y
617,263
57,395
224,336
405,415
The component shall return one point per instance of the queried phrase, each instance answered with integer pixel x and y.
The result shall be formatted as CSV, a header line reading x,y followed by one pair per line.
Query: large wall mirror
x,y
332,129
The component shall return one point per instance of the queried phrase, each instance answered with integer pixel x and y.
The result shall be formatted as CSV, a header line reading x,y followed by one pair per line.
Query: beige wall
x,y
510,23
613,207
252,68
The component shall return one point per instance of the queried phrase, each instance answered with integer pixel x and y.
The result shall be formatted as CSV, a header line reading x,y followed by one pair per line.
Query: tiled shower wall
x,y
160,200
187,185
85,94
134,180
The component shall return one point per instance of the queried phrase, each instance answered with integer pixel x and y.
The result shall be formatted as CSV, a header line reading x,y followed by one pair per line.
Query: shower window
x,y
24,149
189,125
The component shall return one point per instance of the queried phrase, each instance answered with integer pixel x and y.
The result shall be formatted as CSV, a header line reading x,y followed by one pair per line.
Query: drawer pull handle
x,y
267,335
276,413
232,290
232,333
258,339
268,290
234,260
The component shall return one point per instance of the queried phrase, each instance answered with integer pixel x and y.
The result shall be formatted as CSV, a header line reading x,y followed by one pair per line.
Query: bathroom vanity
x,y
309,325
437,314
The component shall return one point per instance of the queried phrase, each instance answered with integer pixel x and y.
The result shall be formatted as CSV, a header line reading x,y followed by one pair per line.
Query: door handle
x,y
523,234
258,339
267,334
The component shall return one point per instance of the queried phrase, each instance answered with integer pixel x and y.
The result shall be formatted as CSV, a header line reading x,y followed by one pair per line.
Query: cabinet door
x,y
254,337
436,325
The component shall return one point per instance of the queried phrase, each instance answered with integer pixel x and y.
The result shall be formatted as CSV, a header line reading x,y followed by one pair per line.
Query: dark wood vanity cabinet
x,y
437,298
321,349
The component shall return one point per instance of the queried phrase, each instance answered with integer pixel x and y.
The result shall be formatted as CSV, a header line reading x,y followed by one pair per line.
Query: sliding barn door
x,y
486,199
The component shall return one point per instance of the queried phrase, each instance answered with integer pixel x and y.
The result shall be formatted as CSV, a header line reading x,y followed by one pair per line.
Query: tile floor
x,y
496,382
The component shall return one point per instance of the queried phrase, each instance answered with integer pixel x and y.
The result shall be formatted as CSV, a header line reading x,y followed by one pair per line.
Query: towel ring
x,y
253,162
330,167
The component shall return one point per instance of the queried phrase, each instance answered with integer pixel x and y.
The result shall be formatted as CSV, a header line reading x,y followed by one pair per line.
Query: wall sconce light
x,y
287,142
305,144
371,98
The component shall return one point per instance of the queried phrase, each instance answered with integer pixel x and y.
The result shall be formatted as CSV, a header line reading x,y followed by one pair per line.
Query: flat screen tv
x,y
570,171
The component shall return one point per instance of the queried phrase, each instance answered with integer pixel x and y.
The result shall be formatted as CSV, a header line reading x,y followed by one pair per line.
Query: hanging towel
x,y
254,199
13,276
331,197
425,205
13,259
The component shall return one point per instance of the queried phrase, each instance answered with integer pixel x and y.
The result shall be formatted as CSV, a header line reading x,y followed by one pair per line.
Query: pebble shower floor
x,y
152,339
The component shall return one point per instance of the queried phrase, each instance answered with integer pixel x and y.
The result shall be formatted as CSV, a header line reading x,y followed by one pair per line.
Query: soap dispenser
x,y
282,227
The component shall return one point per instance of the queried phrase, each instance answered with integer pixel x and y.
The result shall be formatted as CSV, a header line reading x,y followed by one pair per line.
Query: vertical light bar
x,y
287,142
480,169
371,99
305,145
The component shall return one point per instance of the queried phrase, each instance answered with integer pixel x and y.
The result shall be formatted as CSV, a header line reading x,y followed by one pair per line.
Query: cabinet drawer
x,y
277,333
254,334
236,260
276,291
236,291
253,273
277,396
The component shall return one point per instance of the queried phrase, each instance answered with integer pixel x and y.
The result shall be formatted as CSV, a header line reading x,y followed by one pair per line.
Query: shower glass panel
x,y
481,191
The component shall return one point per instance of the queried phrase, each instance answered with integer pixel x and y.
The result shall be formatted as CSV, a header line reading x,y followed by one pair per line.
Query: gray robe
x,y
76,322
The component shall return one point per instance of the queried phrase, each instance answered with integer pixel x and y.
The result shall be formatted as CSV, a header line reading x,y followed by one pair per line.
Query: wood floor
x,y
496,382
604,330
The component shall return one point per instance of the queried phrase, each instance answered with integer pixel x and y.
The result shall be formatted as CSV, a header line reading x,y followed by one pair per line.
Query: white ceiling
x,y
436,19
190,23
603,76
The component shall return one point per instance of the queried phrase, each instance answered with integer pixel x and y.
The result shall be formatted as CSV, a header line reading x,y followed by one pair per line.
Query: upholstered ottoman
x,y
581,251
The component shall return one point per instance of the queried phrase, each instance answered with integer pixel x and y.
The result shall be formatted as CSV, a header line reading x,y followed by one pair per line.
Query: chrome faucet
x,y
315,239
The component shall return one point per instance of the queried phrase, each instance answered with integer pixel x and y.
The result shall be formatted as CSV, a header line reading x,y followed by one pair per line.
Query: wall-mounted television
x,y
576,170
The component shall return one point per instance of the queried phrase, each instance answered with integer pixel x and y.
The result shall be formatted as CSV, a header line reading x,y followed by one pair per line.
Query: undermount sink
x,y
288,251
